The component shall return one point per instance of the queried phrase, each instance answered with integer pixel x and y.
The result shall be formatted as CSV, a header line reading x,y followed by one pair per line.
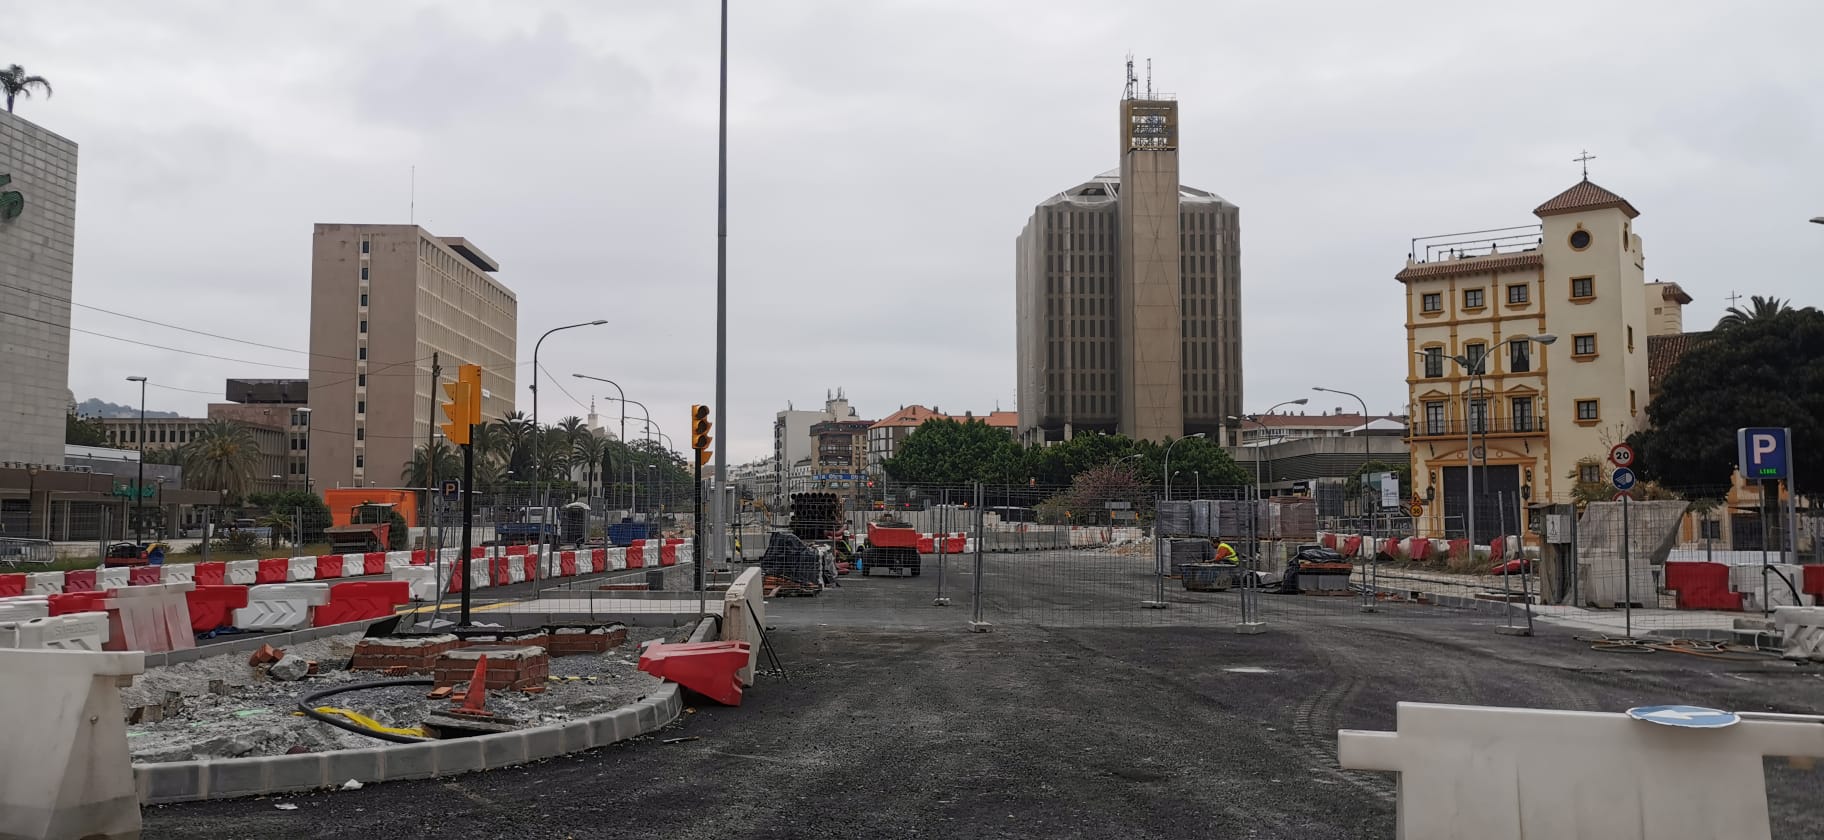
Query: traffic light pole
x,y
468,522
697,552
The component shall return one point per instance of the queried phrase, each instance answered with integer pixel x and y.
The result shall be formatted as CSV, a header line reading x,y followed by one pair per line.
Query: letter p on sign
x,y
1764,454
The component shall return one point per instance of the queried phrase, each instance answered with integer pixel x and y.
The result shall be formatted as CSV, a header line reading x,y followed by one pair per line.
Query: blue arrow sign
x,y
1623,479
1690,717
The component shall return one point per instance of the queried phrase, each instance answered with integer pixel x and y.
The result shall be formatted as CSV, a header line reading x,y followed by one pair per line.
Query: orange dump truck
x,y
343,500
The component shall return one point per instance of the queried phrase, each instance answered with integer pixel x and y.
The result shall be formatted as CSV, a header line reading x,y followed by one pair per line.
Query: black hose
x,y
308,705
1766,570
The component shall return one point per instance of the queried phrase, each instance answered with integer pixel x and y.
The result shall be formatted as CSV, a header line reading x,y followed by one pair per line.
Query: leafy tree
x,y
952,452
222,456
316,514
15,83
1357,485
588,452
84,431
1763,371
446,459
1759,309
1086,502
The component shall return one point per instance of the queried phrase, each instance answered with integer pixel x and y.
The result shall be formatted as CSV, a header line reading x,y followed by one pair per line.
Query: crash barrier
x,y
495,567
64,714
361,600
153,619
707,668
1506,774
285,606
1803,630
24,607
744,617
85,631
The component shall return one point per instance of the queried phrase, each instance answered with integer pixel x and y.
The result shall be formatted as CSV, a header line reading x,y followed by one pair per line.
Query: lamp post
x,y
1168,462
1366,454
138,496
632,482
1476,369
538,453
622,396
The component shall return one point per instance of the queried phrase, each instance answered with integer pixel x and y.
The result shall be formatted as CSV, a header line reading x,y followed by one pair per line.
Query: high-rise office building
x,y
1128,294
383,299
37,251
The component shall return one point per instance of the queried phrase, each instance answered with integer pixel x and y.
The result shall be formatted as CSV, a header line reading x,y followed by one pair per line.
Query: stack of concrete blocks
x,y
1604,579
1803,631
1174,519
1509,774
743,616
67,771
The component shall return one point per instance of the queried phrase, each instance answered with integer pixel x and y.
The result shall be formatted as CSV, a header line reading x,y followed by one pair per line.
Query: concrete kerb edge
x,y
249,642
193,781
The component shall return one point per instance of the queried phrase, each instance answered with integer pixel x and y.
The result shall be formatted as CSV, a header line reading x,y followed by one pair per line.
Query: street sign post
x,y
1622,478
1622,455
452,490
1417,509
1389,482
1764,454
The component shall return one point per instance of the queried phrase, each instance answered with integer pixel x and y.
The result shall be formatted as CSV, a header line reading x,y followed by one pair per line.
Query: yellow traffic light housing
x,y
699,432
464,407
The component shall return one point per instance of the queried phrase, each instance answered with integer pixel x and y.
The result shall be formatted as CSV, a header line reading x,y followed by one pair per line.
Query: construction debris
x,y
289,668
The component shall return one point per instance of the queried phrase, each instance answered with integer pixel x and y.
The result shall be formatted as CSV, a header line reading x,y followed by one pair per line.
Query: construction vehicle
x,y
369,529
892,546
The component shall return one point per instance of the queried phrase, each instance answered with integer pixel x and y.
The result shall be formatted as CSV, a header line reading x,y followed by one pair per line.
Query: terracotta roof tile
x,y
913,416
1584,195
1663,353
1471,265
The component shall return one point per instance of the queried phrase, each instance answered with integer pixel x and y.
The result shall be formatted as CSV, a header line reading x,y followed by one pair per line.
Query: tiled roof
x,y
1485,264
1663,353
1584,195
913,416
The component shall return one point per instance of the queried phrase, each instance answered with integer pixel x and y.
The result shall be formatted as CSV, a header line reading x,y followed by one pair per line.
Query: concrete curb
x,y
249,642
191,781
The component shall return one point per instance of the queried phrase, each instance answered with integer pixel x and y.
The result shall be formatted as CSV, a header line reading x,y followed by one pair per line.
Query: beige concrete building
x,y
270,402
1577,275
37,257
1665,308
1128,298
165,433
383,299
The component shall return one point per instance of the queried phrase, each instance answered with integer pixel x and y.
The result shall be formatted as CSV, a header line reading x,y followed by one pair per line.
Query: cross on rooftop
x,y
1584,158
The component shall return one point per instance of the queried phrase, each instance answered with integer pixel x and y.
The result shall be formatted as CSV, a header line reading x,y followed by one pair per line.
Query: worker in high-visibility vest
x,y
1225,553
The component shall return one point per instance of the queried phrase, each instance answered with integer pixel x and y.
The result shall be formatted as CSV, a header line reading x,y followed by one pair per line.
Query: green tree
x,y
589,453
1759,309
1357,486
15,83
943,451
446,459
84,431
316,514
222,456
1763,371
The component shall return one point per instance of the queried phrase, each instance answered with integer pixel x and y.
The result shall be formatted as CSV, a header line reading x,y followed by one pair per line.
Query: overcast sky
x,y
883,157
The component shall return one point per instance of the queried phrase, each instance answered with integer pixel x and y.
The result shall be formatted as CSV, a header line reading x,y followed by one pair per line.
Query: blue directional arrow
x,y
1690,717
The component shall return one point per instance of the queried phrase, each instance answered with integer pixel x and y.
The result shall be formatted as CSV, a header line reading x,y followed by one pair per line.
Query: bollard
x,y
1250,605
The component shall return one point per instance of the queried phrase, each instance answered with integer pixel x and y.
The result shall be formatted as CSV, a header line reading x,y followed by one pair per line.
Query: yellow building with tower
x,y
1528,352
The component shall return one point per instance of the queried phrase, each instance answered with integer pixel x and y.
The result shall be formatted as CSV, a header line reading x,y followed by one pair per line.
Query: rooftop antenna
x,y
1149,78
1132,80
411,213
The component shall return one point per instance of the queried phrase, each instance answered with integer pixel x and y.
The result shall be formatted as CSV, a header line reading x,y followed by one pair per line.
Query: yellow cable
x,y
370,723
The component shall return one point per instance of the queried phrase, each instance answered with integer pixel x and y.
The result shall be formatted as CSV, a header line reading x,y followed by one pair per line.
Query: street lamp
x,y
1168,462
632,482
538,452
1366,455
138,509
623,400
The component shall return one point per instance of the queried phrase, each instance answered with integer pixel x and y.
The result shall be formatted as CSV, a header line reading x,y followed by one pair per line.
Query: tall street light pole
x,y
721,442
622,396
538,454
1168,462
140,482
1366,454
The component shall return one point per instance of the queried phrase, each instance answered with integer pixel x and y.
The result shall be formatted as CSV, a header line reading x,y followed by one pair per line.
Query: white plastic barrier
x,y
43,583
300,569
516,570
67,772
743,615
616,558
281,606
553,565
24,608
1747,580
354,565
115,578
399,559
179,573
479,577
154,618
84,631
1803,628
1508,774
242,572
421,580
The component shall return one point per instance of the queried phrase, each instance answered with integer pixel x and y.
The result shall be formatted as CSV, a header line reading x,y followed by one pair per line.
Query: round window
x,y
1580,239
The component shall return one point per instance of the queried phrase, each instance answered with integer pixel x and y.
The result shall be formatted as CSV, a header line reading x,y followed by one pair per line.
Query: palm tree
x,y
589,450
489,439
573,428
516,433
443,457
555,450
14,83
222,456
1759,309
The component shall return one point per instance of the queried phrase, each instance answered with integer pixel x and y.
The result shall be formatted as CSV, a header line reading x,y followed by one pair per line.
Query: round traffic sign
x,y
1621,494
1691,717
1622,455
1418,509
1623,478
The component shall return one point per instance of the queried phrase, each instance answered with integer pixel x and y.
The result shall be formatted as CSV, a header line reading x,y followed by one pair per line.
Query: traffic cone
x,y
476,697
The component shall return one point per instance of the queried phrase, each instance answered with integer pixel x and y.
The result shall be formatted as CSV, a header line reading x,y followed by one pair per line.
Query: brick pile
x,y
396,657
572,641
510,667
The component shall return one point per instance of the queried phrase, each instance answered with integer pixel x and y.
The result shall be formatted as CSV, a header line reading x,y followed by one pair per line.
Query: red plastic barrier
x,y
566,564
1352,546
926,545
419,557
598,559
518,550
1459,548
81,580
145,575
271,570
1418,548
477,552
1327,540
668,554
1702,586
636,555
531,567
211,574
360,600
454,583
12,584
329,566
707,668
212,607
1813,583
64,603
1497,548
374,562
497,571
954,545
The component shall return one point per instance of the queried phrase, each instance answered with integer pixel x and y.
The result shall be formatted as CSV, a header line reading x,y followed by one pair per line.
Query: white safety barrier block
x,y
179,573
67,772
1802,627
400,559
686,553
1507,774
478,573
115,578
516,570
86,631
281,606
617,558
300,569
420,580
242,572
43,583
354,565
1747,579
24,608
743,616
154,618
553,565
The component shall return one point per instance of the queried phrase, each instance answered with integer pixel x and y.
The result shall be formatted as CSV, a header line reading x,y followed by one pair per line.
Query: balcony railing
x,y
1493,426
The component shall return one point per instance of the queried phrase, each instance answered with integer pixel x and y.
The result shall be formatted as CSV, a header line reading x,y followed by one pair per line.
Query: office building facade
x,y
37,257
384,299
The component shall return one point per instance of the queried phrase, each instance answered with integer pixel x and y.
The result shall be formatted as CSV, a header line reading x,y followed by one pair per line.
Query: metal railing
x,y
17,552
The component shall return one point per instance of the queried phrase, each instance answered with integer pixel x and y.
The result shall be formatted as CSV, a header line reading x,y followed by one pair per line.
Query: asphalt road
x,y
894,721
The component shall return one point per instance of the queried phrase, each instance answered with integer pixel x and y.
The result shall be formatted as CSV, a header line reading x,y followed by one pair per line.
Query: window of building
x,y
363,298
361,406
360,461
1478,416
1583,288
364,272
1472,298
1589,473
360,380
1583,345
364,246
1587,411
1633,407
1434,418
1519,356
361,353
1476,353
1630,339
1580,239
1521,409
364,327
1517,293
360,433
1431,302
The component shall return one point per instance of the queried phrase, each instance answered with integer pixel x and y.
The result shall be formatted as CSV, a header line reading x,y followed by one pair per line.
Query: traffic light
x,y
699,432
464,407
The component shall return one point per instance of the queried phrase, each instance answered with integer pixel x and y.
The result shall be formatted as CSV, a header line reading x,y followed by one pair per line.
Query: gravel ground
x,y
220,707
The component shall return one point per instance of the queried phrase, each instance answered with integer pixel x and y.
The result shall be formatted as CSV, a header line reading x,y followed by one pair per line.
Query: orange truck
x,y
342,501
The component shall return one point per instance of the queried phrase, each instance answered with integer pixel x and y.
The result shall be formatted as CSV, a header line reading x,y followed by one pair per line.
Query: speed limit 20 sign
x,y
1622,455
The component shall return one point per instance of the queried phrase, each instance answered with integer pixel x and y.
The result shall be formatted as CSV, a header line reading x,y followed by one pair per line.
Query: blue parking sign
x,y
1764,454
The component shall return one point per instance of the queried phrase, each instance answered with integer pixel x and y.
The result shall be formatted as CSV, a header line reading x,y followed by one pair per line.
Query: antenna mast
x,y
1132,81
1149,78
